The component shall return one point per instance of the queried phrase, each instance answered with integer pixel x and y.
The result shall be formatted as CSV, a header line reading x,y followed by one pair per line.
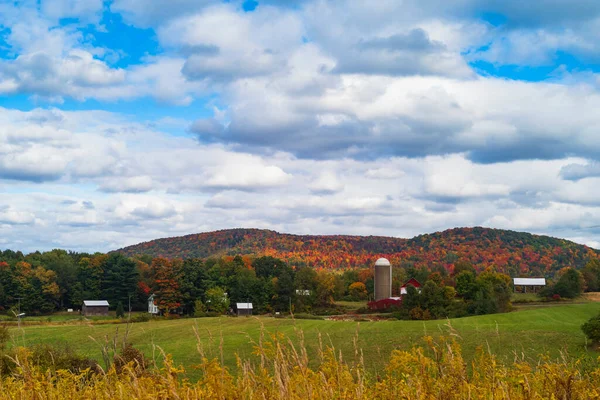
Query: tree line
x,y
42,283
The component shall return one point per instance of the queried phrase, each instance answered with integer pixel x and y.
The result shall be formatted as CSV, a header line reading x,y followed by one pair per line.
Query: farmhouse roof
x,y
530,281
95,303
244,306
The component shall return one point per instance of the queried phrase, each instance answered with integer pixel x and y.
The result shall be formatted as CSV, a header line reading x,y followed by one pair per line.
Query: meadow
x,y
525,334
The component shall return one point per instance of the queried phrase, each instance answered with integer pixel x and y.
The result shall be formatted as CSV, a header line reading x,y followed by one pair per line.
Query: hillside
x,y
512,252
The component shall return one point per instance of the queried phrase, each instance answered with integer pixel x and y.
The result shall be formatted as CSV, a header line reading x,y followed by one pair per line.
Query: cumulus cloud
x,y
246,176
10,216
575,172
253,44
326,183
327,117
369,117
143,13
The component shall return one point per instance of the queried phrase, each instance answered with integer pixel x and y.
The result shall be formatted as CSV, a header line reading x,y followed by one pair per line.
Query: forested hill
x,y
511,252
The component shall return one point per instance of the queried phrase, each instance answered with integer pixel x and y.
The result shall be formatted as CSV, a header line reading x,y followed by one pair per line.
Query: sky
x,y
128,120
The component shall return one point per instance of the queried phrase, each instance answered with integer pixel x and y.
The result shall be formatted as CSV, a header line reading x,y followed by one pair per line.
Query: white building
x,y
533,283
152,308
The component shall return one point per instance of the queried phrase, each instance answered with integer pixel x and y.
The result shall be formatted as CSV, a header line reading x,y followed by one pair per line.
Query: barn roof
x,y
412,281
95,303
530,281
244,306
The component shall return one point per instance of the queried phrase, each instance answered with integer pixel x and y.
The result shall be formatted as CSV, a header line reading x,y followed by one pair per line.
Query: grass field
x,y
525,333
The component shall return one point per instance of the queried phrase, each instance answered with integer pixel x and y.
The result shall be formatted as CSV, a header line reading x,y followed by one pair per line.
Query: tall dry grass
x,y
282,370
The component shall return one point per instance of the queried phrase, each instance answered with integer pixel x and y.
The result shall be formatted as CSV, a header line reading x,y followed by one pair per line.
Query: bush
x,y
199,309
61,357
591,329
307,316
130,354
142,317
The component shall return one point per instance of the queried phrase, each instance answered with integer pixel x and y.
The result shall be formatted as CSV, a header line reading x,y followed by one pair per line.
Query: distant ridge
x,y
516,253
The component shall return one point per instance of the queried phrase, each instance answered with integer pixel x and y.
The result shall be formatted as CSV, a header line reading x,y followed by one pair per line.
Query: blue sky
x,y
127,120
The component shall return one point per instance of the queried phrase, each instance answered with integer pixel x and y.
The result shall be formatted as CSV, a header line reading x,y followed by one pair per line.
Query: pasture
x,y
524,334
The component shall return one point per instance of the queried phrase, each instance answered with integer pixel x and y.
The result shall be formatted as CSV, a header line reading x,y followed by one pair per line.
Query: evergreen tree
x,y
120,278
120,310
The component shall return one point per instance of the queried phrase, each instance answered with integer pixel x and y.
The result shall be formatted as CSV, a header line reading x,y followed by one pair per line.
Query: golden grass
x,y
282,370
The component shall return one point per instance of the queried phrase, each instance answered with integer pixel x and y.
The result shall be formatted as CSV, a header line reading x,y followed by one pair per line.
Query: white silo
x,y
383,279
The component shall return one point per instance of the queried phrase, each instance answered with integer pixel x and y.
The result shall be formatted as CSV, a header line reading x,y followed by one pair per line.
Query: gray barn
x,y
93,308
243,309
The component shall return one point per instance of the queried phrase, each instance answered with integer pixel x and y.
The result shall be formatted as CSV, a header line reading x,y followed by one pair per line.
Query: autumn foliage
x,y
509,252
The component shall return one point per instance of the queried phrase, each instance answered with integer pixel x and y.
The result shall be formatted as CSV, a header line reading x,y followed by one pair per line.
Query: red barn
x,y
384,304
411,281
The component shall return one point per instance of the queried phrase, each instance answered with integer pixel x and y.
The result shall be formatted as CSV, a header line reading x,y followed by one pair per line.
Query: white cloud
x,y
250,176
357,117
10,216
326,183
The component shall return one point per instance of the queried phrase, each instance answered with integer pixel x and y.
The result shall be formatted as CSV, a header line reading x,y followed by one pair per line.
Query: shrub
x,y
142,317
130,354
61,357
199,309
591,329
307,316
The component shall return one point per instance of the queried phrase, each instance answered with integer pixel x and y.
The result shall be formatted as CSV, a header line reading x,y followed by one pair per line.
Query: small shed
x,y
533,283
243,309
152,307
412,282
93,308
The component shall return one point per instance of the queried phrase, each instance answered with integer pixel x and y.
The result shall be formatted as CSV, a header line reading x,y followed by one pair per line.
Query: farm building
x,y
152,307
411,281
243,309
384,304
94,308
533,283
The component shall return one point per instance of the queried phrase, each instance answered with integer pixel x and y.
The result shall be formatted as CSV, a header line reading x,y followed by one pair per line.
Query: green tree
x,y
569,285
192,284
217,300
484,302
591,329
120,310
267,267
120,278
305,283
465,285
500,286
89,279
326,288
63,264
199,309
591,275
284,291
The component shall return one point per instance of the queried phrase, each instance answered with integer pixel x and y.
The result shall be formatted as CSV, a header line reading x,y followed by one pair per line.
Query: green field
x,y
526,333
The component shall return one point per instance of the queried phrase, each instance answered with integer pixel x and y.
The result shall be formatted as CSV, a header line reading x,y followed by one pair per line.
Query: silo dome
x,y
382,262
